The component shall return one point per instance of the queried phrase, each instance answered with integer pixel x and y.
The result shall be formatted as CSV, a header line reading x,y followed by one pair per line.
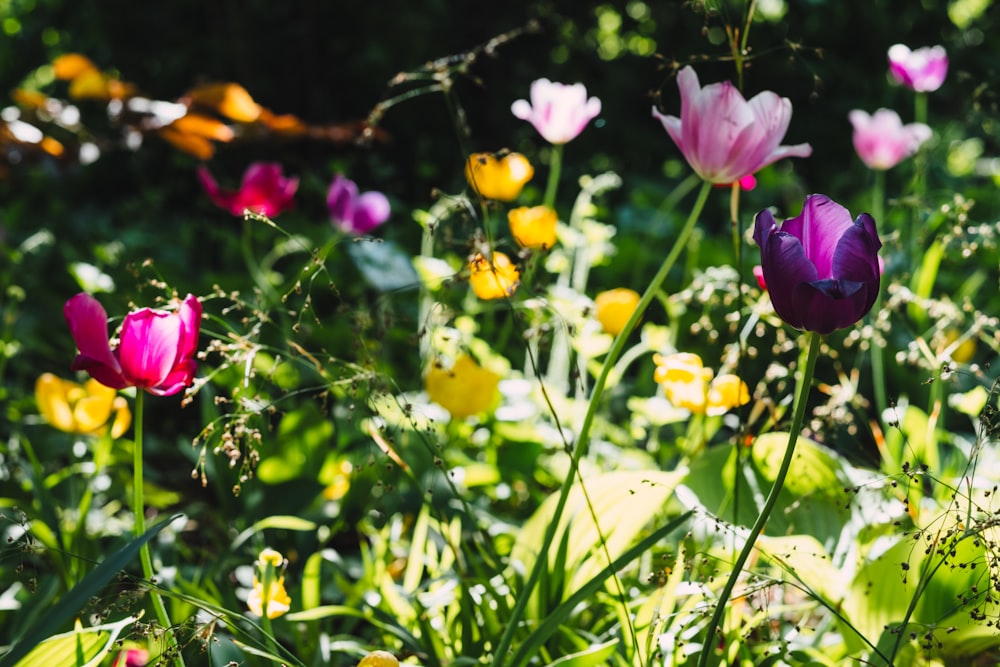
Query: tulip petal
x,y
372,210
149,346
88,324
190,314
828,305
820,226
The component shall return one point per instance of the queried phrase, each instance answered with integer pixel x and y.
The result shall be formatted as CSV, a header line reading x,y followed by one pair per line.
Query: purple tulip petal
x,y
88,324
372,210
340,201
828,305
819,227
149,346
190,315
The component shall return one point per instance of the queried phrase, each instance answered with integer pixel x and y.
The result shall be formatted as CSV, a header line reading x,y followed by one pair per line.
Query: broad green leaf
x,y
624,502
595,655
82,647
384,264
79,596
805,560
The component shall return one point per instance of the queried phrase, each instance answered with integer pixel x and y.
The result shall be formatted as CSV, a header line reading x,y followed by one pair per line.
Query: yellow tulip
x,y
615,307
268,591
81,408
463,390
498,176
498,280
689,385
379,659
533,227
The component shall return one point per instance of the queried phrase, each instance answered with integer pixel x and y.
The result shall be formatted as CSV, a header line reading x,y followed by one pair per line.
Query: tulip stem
x,y
580,448
878,351
138,507
801,398
555,169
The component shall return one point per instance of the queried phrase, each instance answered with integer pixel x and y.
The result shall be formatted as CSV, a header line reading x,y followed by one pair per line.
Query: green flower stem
x,y
555,168
801,398
138,507
514,622
878,351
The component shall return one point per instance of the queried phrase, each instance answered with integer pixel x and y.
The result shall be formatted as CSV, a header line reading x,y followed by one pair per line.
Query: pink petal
x,y
88,324
149,346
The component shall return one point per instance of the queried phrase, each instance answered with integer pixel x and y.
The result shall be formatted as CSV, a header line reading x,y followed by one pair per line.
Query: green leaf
x,y
280,522
84,647
77,598
595,655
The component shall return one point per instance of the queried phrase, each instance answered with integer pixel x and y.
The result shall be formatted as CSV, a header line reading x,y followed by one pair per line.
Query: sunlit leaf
x,y
88,644
229,99
71,65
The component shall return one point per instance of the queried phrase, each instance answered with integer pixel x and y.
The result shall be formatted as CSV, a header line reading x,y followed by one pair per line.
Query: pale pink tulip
x,y
923,70
558,111
881,139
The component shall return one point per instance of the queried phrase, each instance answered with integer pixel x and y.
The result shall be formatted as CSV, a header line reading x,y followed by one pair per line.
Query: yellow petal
x,y
51,398
493,281
229,99
615,307
499,178
379,659
72,65
533,227
463,390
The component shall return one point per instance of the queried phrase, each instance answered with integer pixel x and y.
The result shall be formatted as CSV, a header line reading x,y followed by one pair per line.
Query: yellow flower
x,y
83,409
727,392
614,307
379,659
496,176
533,227
463,390
493,281
689,385
269,586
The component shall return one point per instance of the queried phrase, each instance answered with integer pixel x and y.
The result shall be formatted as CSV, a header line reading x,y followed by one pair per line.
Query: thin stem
x,y
555,169
580,449
801,396
878,351
138,507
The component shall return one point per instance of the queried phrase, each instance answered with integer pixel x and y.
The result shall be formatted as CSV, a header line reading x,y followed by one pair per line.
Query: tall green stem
x,y
584,432
138,507
801,398
878,351
555,169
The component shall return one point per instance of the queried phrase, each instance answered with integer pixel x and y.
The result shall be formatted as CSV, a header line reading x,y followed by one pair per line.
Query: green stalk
x,y
878,351
138,507
801,398
514,621
555,168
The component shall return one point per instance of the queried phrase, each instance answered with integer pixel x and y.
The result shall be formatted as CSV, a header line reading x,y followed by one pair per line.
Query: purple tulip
x,y
723,136
923,70
558,111
821,269
882,141
352,212
156,348
264,190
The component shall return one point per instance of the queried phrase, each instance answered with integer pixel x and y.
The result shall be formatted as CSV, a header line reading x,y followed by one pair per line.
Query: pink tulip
x,y
882,141
155,351
922,70
723,136
558,111
264,190
355,212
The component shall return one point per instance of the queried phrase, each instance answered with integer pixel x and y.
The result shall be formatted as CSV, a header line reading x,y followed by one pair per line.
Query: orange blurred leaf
x,y
72,65
203,126
192,144
286,124
229,99
32,99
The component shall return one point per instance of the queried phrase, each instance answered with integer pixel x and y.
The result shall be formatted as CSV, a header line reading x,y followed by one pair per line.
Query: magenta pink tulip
x,y
264,190
558,111
355,212
723,136
881,139
156,348
923,70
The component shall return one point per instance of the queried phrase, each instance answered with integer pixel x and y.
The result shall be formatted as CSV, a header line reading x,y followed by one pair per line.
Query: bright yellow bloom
x,y
379,659
726,392
269,586
496,176
493,281
615,307
689,385
533,227
83,409
463,390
